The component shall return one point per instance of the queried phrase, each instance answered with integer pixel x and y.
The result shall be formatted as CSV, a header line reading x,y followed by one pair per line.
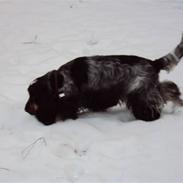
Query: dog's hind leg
x,y
145,105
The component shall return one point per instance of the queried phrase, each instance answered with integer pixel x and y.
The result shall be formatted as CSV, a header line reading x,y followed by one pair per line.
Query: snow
x,y
37,36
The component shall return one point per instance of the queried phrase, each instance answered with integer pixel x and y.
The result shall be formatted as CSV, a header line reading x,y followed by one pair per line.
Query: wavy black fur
x,y
99,82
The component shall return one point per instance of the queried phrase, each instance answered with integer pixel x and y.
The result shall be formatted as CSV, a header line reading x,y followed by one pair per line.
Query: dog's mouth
x,y
31,108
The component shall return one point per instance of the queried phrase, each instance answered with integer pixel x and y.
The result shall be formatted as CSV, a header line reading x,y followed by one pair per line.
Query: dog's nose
x,y
31,108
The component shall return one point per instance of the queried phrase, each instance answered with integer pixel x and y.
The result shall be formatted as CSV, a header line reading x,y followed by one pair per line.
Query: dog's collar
x,y
61,95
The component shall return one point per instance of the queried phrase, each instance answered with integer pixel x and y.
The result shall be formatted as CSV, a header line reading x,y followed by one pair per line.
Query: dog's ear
x,y
56,80
60,80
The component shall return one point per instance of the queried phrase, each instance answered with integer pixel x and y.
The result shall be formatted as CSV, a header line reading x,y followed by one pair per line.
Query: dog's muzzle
x,y
31,108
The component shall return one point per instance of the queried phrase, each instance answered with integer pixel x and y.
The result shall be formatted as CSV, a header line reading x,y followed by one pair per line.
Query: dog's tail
x,y
171,59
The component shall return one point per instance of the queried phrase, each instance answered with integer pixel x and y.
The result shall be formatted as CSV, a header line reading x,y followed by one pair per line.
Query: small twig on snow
x,y
29,148
32,42
6,169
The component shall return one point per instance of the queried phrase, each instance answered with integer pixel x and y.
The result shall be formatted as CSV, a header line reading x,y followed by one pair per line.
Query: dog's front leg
x,y
68,107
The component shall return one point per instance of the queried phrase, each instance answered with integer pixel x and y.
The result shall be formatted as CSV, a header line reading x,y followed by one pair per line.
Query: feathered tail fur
x,y
170,60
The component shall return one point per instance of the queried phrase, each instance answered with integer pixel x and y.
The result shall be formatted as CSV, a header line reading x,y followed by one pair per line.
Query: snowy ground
x,y
40,35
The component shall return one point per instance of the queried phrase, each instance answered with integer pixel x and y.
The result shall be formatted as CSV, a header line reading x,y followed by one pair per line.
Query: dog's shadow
x,y
122,114
118,113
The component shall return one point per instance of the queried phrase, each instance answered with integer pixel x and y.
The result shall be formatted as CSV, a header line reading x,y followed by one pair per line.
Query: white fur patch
x,y
136,83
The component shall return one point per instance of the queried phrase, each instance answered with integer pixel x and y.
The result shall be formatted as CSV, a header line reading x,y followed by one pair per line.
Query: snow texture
x,y
37,36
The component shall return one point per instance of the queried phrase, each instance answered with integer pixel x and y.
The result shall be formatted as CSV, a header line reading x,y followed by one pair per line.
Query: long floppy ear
x,y
56,81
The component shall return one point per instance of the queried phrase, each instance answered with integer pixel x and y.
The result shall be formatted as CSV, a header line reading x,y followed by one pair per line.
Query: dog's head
x,y
43,97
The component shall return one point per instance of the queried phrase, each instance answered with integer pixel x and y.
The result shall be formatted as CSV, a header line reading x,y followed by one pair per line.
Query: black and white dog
x,y
99,82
